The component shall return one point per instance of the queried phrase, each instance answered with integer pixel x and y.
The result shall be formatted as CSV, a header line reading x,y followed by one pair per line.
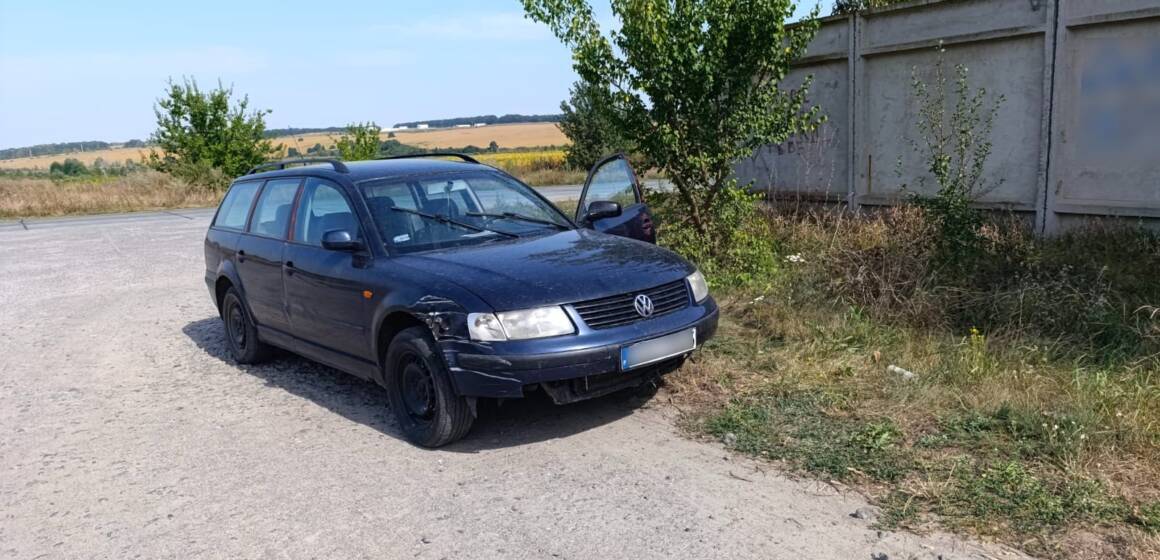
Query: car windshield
x,y
434,212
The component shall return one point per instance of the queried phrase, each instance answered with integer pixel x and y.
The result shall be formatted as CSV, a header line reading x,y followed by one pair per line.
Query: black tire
x,y
419,388
241,335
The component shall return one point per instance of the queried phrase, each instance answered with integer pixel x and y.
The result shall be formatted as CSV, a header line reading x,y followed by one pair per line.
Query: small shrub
x,y
359,142
739,248
69,167
955,147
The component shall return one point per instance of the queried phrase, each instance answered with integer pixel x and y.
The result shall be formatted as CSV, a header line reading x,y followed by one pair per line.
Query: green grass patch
x,y
811,430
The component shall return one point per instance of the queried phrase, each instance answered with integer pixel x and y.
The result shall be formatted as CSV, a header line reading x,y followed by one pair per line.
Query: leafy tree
x,y
693,84
493,146
316,149
390,134
587,122
207,133
360,142
293,152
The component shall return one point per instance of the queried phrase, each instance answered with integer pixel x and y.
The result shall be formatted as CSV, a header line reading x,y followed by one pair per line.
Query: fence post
x,y
1046,221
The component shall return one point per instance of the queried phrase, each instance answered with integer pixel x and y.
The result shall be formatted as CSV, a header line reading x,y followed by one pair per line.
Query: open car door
x,y
612,201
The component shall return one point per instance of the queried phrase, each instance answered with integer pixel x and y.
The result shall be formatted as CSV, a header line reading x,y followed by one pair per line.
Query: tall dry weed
x,y
147,190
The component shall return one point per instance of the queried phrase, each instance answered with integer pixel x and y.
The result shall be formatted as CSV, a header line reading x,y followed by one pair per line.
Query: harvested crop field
x,y
521,135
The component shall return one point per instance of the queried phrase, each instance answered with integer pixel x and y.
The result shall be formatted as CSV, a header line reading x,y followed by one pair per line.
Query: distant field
x,y
42,162
506,135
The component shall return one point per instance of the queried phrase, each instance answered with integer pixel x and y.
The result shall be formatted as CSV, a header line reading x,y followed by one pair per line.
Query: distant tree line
x,y
63,148
279,132
486,119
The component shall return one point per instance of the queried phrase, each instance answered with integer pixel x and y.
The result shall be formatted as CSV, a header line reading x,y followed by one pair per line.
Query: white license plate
x,y
657,349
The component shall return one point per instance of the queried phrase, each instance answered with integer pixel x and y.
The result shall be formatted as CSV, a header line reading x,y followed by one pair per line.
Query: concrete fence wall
x,y
1078,134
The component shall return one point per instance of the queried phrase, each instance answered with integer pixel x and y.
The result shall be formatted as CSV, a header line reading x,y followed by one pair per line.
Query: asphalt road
x,y
126,431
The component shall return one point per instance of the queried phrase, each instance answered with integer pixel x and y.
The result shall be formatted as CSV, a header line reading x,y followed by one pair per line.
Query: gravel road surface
x,y
126,432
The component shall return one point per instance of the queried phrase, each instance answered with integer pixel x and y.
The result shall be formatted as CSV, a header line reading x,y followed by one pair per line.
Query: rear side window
x,y
236,206
272,214
323,208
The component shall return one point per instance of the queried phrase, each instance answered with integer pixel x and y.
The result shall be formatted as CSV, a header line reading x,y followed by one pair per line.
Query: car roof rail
x,y
459,155
338,165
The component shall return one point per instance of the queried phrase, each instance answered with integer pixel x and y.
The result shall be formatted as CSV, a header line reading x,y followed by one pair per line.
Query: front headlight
x,y
520,325
698,286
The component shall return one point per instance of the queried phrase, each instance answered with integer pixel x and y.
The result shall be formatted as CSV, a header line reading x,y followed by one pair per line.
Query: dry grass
x,y
147,190
1040,424
520,135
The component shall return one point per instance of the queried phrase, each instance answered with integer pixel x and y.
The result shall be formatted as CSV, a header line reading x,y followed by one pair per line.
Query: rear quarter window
x,y
236,206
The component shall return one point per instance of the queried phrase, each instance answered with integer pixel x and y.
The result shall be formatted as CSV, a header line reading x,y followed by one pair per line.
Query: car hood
x,y
565,267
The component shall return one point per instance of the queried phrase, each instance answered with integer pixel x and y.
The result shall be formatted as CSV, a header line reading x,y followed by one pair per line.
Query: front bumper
x,y
591,357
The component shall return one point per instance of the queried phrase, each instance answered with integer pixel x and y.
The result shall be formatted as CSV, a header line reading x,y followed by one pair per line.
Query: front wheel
x,y
419,388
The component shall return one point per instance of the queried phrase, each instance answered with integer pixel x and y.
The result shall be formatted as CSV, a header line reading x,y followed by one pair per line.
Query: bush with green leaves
x,y
953,137
71,167
201,130
742,252
359,142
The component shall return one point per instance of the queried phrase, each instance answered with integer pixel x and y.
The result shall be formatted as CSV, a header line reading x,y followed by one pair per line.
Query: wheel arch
x,y
227,277
392,324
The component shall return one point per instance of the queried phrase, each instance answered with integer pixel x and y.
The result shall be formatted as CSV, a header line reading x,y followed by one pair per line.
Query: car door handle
x,y
241,256
289,267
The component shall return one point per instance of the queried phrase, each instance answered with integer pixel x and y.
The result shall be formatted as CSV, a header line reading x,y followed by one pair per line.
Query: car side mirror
x,y
600,209
340,240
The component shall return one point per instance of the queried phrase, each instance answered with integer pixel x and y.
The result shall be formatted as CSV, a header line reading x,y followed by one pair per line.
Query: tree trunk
x,y
695,214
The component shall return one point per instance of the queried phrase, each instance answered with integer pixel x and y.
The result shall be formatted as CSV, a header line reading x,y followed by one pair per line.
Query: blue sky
x,y
85,70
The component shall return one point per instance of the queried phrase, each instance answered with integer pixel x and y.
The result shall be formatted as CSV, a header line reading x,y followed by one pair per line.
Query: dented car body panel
x,y
337,283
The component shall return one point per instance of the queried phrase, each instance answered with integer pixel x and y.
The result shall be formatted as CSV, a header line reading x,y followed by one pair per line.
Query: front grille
x,y
614,311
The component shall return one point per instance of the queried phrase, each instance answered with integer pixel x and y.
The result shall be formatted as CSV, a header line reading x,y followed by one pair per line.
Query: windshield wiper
x,y
521,217
445,220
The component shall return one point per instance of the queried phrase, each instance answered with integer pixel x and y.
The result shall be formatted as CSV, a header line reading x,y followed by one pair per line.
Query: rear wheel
x,y
241,335
420,391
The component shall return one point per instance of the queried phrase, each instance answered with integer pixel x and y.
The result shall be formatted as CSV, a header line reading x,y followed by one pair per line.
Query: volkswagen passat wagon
x,y
446,281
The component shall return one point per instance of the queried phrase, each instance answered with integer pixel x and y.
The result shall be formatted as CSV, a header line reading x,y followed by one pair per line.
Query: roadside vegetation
x,y
26,196
948,363
957,368
1020,401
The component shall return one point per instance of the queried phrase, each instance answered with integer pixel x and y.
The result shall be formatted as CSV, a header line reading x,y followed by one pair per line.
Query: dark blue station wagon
x,y
450,281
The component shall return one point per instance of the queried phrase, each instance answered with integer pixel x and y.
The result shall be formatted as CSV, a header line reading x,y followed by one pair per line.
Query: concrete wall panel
x,y
807,163
933,21
1108,119
1078,135
1012,67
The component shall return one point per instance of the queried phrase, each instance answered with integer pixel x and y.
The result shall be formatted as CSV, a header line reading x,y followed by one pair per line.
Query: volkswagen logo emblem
x,y
643,305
